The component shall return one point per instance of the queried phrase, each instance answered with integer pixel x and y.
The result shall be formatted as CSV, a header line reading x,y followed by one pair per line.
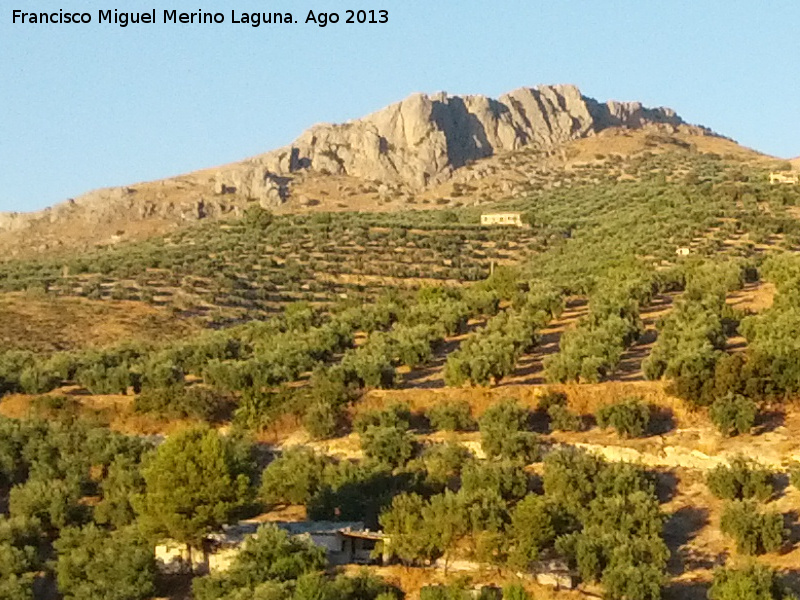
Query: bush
x,y
93,564
515,591
742,479
561,419
751,582
503,431
354,492
451,416
507,478
630,417
20,557
395,415
321,420
55,503
390,446
293,478
442,463
196,401
733,414
753,532
536,522
122,483
550,398
569,477
633,582
269,556
794,474
55,406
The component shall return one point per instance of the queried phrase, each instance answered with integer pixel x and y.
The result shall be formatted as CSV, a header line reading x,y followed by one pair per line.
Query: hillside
x,y
607,393
426,151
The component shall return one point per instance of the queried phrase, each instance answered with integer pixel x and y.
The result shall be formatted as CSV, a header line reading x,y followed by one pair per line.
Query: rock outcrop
x,y
423,139
404,148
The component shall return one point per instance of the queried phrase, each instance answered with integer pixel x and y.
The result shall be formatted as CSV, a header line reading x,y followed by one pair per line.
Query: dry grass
x,y
114,411
50,323
412,579
753,297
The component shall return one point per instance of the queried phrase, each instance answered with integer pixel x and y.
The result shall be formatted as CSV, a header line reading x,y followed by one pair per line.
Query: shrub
x,y
551,398
630,417
122,484
55,503
354,492
321,420
569,477
794,474
733,414
196,401
451,416
442,464
633,582
536,521
503,432
37,379
561,419
515,591
390,446
54,406
395,415
751,582
507,478
753,532
95,564
742,479
441,592
293,478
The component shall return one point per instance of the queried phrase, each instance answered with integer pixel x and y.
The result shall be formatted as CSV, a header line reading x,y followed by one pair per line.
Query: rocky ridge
x,y
405,148
422,140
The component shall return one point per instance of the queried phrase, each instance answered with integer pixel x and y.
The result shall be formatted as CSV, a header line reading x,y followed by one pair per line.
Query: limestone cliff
x,y
423,139
401,150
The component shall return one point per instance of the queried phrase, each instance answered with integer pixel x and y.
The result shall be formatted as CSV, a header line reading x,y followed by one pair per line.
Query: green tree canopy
x,y
195,482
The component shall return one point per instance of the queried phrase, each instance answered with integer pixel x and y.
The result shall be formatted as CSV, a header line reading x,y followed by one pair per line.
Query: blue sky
x,y
95,105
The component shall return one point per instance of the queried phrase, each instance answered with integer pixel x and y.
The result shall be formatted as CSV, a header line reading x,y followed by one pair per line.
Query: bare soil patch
x,y
53,323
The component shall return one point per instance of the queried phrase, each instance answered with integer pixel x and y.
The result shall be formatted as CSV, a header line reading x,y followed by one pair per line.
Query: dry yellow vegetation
x,y
52,323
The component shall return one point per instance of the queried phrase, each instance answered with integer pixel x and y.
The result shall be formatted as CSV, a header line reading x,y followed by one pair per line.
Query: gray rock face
x,y
422,139
415,143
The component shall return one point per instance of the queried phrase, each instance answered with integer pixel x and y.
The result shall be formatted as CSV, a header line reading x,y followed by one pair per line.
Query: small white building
x,y
506,218
784,177
683,251
344,543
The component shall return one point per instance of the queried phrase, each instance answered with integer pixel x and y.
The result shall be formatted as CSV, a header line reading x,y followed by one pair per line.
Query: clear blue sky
x,y
95,105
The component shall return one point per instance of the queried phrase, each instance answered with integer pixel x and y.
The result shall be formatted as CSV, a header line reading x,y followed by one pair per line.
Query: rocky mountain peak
x,y
401,151
421,140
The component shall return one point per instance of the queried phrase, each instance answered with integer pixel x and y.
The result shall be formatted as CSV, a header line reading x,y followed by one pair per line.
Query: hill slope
x,y
397,155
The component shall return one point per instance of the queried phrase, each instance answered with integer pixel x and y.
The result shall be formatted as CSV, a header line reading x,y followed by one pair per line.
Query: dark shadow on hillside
x,y
791,579
682,527
430,375
630,365
662,420
780,482
666,485
530,368
791,523
768,421
686,590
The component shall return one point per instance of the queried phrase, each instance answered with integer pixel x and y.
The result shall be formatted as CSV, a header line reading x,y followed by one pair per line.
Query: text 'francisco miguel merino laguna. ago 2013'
x,y
200,17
